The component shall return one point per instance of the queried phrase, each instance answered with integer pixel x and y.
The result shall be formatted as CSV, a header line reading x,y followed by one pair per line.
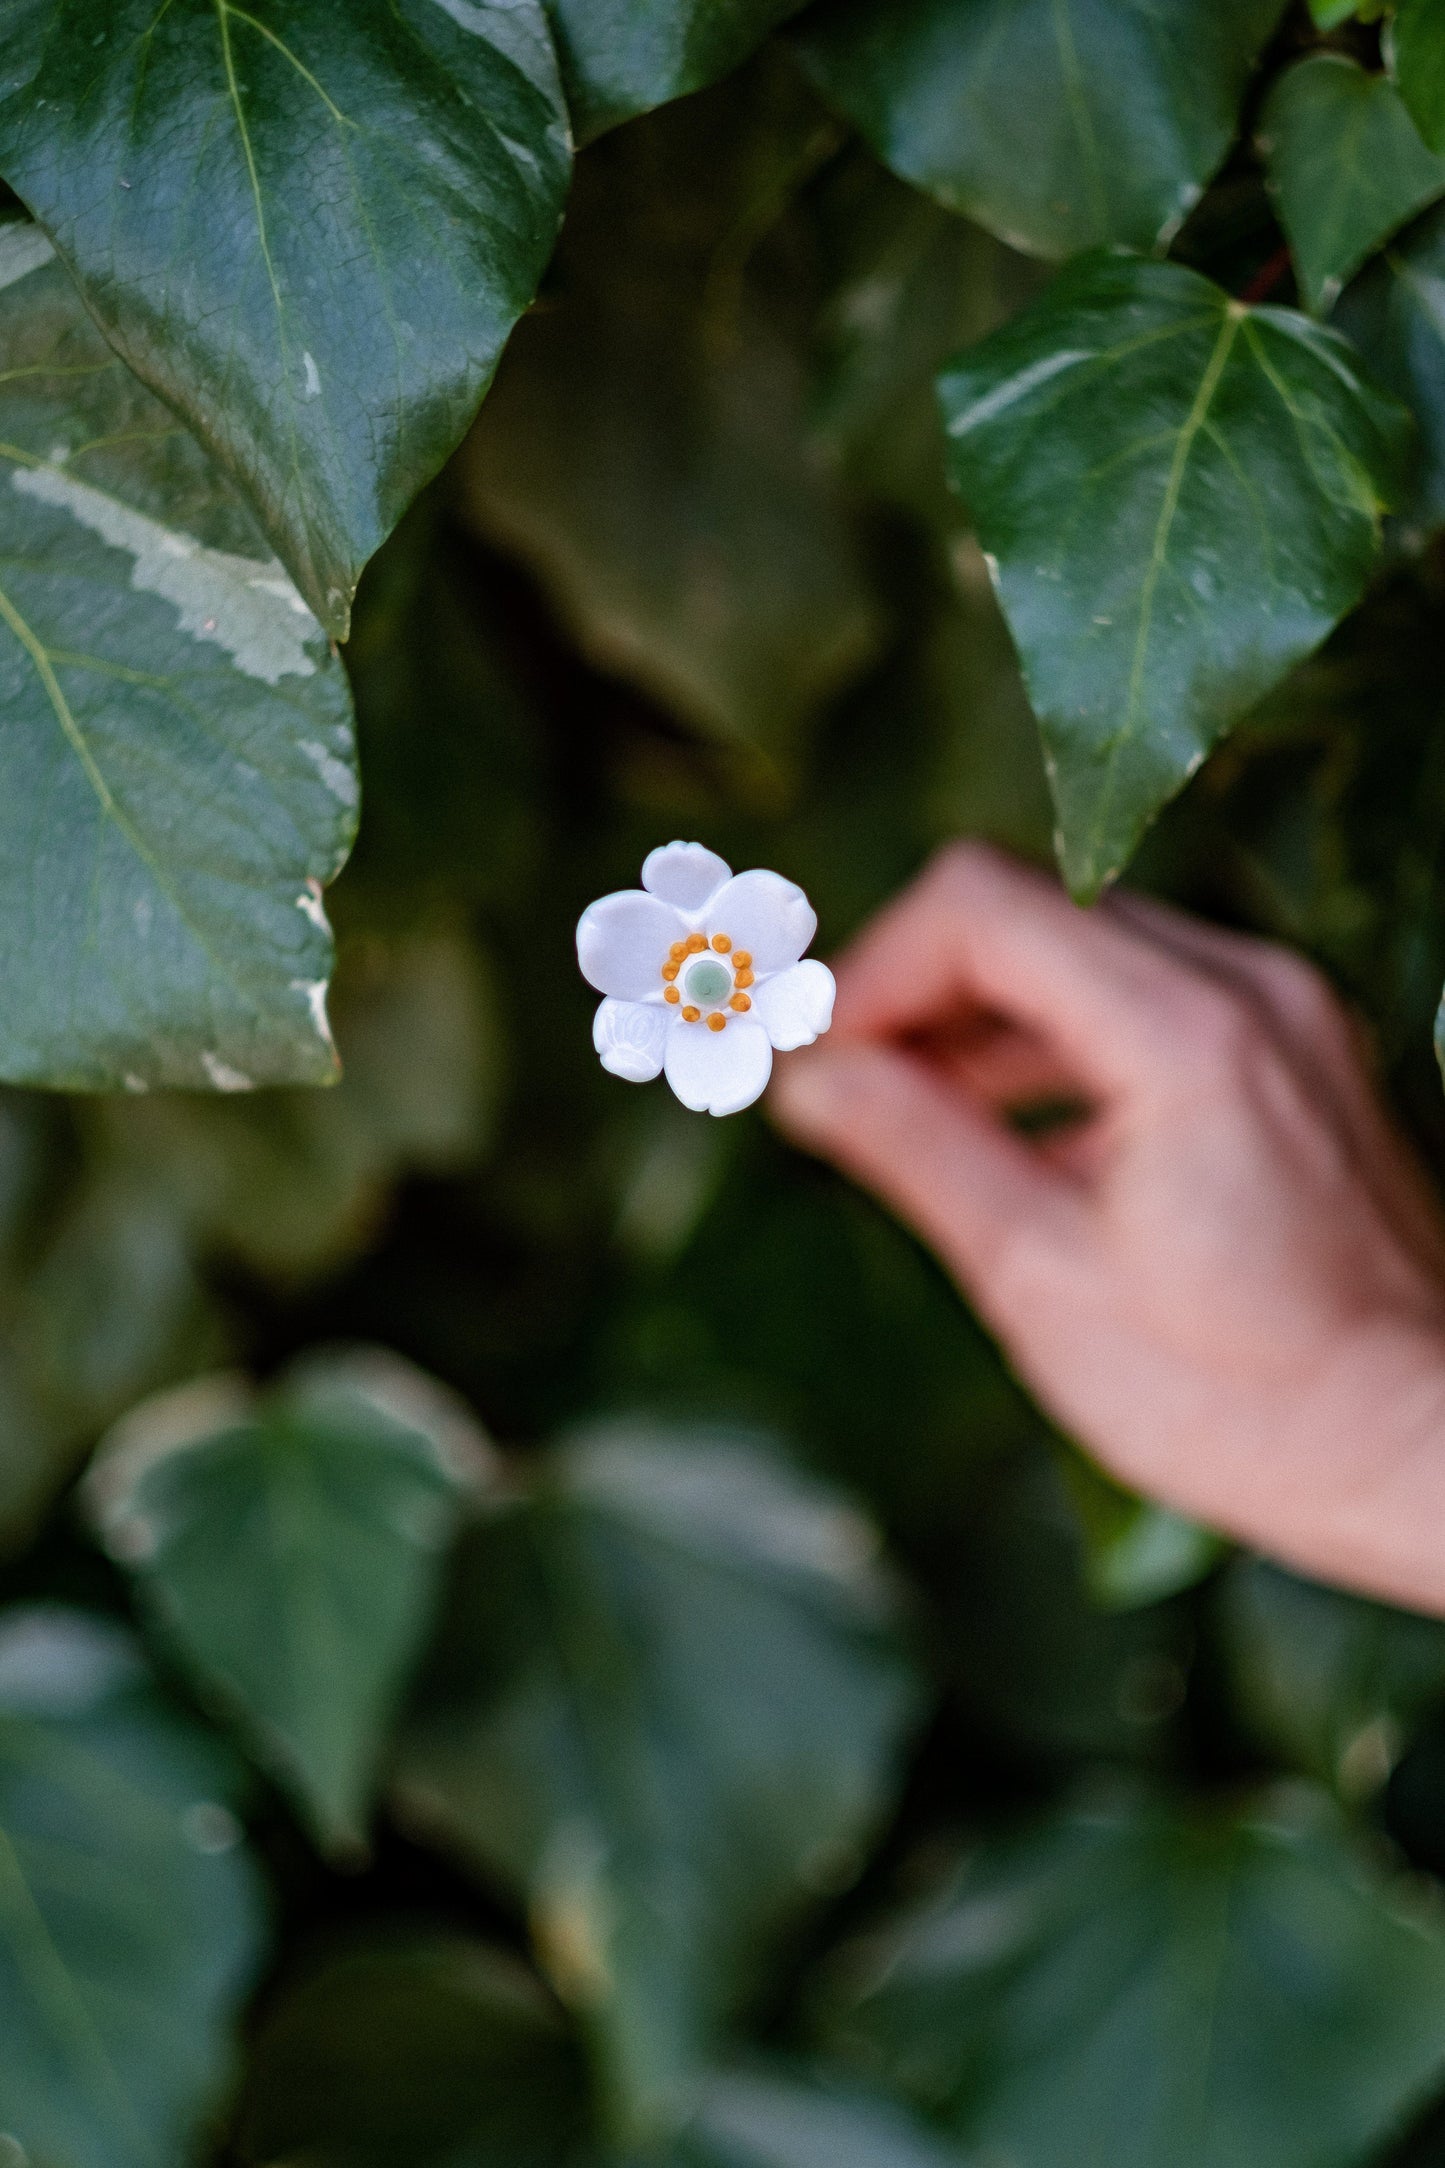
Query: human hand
x,y
1227,1278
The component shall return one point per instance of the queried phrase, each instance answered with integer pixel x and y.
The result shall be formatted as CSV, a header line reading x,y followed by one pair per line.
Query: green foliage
x,y
570,1757
176,736
1224,471
312,247
722,1627
290,1555
1127,1986
1347,168
1419,59
1058,124
129,1923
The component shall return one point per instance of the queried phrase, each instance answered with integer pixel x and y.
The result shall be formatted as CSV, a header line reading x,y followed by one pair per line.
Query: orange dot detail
x,y
690,1015
740,1002
742,959
743,978
670,993
669,971
716,1021
722,942
678,951
695,941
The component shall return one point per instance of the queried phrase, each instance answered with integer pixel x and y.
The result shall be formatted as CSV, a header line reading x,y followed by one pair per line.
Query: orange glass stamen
x,y
740,1002
678,951
722,943
670,993
690,1015
742,978
695,941
716,1021
742,959
669,971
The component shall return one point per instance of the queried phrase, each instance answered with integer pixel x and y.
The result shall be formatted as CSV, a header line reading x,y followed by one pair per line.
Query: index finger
x,y
980,930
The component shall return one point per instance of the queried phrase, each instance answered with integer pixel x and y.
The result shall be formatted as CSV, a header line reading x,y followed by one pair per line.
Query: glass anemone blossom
x,y
702,973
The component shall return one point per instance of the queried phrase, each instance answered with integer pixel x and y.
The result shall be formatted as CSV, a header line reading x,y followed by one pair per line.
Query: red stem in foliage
x,y
1267,277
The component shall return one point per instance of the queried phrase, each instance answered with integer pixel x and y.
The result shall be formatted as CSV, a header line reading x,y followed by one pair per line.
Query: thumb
x,y
968,1186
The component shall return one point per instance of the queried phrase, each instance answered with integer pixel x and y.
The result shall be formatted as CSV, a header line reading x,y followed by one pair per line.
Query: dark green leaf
x,y
623,57
1133,1985
1418,50
310,234
1329,14
1346,167
1395,313
444,2053
1136,1552
427,2050
1057,124
646,448
293,1183
1330,1680
289,1553
175,736
129,1922
667,1708
1181,496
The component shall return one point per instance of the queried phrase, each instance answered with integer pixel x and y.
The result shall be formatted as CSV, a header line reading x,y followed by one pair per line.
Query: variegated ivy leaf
x,y
175,736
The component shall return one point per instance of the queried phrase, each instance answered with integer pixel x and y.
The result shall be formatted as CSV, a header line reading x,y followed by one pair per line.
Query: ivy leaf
x,y
130,1924
1417,51
446,2053
1181,496
1330,1680
1395,314
1058,124
310,234
720,1624
1346,168
647,449
175,736
1134,1984
289,1553
623,57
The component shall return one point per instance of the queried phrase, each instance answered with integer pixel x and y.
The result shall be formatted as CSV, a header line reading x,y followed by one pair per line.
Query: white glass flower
x,y
702,973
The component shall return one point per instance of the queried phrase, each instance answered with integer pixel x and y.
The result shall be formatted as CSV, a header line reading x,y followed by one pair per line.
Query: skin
x,y
1226,1278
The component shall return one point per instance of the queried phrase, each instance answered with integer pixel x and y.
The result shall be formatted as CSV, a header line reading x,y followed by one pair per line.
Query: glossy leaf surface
x,y
130,1925
289,1553
1395,314
1181,496
720,1624
1131,1986
623,57
1129,106
1418,51
311,233
1346,166
175,736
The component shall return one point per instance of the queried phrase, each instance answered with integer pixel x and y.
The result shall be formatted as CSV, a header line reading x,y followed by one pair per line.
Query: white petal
x,y
629,1036
623,940
684,873
796,1007
718,1072
769,917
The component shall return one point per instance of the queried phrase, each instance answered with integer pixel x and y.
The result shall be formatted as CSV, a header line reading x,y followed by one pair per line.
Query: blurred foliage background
x,y
629,1676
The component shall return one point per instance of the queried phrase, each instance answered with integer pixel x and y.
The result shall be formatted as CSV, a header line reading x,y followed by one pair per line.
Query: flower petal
x,y
718,1072
684,873
796,1006
769,917
623,940
629,1037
